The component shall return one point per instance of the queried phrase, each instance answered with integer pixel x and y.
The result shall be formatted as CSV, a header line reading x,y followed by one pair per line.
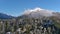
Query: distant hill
x,y
5,16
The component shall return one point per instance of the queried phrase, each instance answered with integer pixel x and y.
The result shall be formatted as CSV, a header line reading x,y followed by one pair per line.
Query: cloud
x,y
28,11
38,11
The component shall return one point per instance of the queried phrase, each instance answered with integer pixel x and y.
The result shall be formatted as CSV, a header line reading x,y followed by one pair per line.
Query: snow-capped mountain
x,y
38,12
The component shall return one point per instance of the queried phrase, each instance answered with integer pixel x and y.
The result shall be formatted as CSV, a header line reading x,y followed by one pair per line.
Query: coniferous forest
x,y
45,25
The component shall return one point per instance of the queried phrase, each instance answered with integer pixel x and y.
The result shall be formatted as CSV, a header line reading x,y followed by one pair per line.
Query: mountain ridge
x,y
38,12
5,16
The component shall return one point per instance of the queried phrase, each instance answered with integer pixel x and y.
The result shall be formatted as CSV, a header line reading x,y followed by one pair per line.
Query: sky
x,y
17,7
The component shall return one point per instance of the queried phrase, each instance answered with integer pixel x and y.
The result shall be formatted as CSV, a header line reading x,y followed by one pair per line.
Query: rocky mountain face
x,y
38,12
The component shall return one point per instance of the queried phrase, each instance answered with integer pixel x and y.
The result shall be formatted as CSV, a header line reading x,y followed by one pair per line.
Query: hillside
x,y
5,16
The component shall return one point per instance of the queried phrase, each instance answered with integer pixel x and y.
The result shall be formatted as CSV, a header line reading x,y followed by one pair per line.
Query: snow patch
x,y
38,10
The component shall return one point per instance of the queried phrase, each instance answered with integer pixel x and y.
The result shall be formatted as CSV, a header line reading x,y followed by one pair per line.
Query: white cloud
x,y
38,10
28,11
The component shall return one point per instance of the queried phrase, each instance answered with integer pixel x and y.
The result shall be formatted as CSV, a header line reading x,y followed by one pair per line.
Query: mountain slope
x,y
38,12
5,16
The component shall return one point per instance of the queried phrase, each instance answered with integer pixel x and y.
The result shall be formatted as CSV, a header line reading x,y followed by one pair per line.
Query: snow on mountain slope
x,y
37,12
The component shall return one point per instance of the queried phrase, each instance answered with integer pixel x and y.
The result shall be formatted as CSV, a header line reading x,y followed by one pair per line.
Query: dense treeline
x,y
30,26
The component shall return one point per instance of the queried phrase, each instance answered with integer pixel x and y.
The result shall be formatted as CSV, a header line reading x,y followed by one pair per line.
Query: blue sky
x,y
17,7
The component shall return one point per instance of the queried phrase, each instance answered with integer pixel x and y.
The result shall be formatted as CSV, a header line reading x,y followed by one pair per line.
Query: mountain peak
x,y
38,12
32,10
37,9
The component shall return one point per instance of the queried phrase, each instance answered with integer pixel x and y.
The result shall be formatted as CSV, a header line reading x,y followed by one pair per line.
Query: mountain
x,y
5,16
38,12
